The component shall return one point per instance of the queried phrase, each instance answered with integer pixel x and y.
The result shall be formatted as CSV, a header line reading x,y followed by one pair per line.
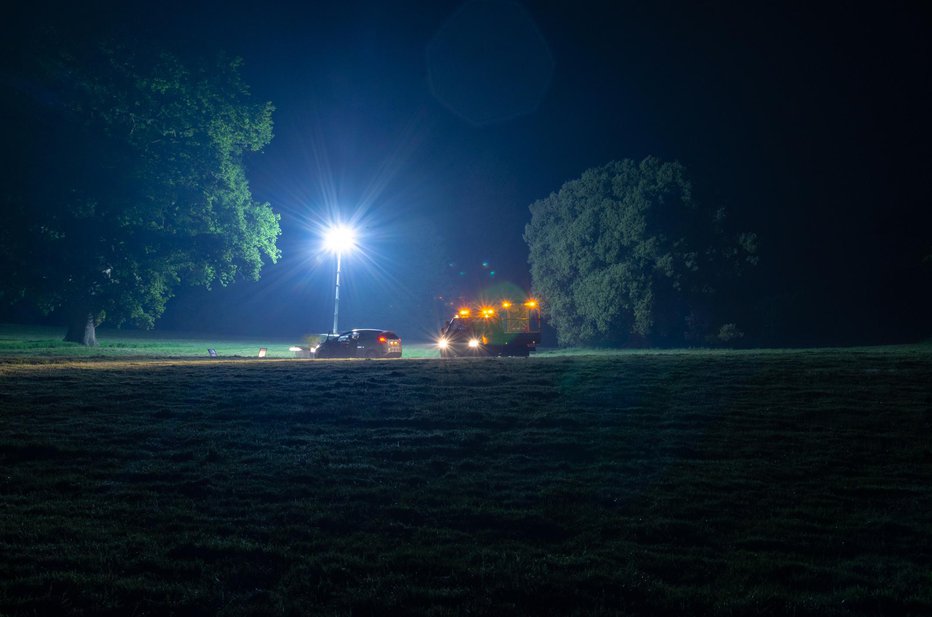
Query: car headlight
x,y
473,342
443,343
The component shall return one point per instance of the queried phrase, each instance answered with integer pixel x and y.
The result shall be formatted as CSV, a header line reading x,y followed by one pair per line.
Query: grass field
x,y
46,342
726,483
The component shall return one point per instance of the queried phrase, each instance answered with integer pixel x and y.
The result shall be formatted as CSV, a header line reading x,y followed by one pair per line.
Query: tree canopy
x,y
625,255
126,178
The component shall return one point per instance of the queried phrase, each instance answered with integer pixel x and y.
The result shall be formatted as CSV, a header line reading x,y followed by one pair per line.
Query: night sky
x,y
810,124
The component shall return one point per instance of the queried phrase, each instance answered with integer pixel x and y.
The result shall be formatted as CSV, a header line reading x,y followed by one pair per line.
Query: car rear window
x,y
387,334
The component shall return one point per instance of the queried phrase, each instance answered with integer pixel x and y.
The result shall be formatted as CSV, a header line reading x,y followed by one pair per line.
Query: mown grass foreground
x,y
711,483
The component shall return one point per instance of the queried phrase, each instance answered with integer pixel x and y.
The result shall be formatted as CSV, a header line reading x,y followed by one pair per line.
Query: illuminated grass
x,y
673,483
35,341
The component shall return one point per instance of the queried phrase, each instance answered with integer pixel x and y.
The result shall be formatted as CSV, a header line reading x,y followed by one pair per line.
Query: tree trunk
x,y
82,329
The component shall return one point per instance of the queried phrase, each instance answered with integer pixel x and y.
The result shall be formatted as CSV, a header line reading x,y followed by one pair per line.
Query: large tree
x,y
625,255
127,179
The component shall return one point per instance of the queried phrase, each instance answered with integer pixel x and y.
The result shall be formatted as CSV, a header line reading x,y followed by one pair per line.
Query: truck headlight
x,y
473,342
442,343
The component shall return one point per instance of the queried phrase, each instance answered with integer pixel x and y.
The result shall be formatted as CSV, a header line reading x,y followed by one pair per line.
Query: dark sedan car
x,y
360,343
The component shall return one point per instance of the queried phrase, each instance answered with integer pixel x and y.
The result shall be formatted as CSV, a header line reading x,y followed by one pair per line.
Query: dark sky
x,y
809,123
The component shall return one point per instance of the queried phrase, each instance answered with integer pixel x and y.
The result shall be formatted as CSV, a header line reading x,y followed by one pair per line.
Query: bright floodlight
x,y
340,239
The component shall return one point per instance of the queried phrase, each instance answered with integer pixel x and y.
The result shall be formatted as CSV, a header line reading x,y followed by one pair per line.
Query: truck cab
x,y
506,329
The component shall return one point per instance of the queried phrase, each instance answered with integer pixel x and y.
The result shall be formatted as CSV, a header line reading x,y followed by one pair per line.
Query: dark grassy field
x,y
727,483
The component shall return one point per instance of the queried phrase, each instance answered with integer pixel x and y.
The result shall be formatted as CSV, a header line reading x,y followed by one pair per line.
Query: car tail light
x,y
382,339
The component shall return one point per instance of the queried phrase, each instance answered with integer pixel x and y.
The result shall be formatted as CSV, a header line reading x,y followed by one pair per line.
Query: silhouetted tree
x,y
130,181
624,254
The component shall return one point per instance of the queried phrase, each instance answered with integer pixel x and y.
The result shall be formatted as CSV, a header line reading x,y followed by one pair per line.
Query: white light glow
x,y
473,342
442,343
340,239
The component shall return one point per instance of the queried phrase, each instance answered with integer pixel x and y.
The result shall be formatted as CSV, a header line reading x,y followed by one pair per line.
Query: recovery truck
x,y
505,329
